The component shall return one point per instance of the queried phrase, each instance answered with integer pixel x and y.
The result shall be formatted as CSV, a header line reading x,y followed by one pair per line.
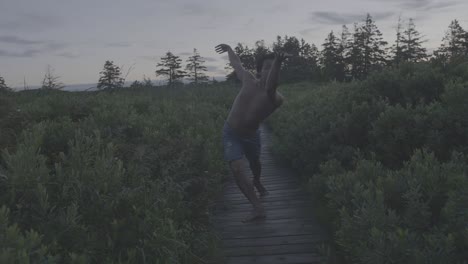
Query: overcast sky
x,y
77,37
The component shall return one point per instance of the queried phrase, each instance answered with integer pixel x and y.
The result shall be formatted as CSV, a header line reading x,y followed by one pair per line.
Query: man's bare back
x,y
251,107
258,97
256,101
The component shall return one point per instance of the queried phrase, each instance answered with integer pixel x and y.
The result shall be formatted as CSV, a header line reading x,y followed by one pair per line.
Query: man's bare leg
x,y
248,190
256,168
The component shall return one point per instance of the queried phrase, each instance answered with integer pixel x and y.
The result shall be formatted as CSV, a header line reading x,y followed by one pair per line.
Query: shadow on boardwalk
x,y
290,233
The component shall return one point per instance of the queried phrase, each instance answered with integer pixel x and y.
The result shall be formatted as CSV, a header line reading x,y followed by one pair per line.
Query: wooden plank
x,y
304,258
278,185
272,241
269,198
266,231
271,204
271,186
288,234
277,223
270,250
296,189
240,209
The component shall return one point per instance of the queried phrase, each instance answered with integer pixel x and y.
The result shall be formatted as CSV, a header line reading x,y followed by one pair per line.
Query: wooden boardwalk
x,y
290,233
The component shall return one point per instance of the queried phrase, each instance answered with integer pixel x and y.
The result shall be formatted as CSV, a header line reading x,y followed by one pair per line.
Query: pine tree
x,y
455,42
303,65
310,56
50,81
111,77
411,44
170,66
344,50
368,49
330,59
196,68
373,45
397,47
3,86
356,52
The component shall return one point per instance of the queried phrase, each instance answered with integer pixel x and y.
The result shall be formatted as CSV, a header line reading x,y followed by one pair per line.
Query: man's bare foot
x,y
260,188
256,216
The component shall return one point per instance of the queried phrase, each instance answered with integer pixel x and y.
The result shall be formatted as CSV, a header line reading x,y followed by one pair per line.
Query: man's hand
x,y
221,48
234,60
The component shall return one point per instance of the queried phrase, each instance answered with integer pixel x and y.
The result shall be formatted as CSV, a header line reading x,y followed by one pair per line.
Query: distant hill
x,y
92,86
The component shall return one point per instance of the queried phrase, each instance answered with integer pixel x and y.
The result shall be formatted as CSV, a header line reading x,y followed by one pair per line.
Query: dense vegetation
x,y
128,175
386,160
110,177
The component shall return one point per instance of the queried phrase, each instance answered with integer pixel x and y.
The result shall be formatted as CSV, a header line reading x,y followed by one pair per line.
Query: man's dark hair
x,y
262,58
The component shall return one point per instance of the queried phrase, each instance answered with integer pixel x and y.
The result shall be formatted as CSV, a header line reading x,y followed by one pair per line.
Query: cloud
x,y
335,18
68,55
31,22
194,9
422,5
278,8
212,68
150,58
208,27
184,54
426,5
209,59
249,23
118,45
17,40
30,53
53,46
307,31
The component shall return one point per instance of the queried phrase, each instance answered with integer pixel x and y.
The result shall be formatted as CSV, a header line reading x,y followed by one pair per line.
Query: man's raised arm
x,y
273,76
233,59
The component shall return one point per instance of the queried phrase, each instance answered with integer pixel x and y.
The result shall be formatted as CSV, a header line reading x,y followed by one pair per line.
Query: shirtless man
x,y
256,100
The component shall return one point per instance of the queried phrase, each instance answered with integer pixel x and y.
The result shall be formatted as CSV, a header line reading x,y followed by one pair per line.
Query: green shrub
x,y
378,156
117,177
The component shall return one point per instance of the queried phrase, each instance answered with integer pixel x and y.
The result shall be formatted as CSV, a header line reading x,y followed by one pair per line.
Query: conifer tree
x,y
111,77
196,69
170,66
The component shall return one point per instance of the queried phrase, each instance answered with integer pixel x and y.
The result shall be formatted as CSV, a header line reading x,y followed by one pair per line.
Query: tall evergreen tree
x,y
356,54
455,42
397,47
170,66
196,69
344,50
411,44
373,45
50,81
111,77
331,58
368,48
303,65
310,57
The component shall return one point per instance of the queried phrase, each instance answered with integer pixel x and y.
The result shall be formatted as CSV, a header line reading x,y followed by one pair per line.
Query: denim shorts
x,y
235,147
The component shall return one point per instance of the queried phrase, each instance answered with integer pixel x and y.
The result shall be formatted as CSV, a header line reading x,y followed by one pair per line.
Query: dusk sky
x,y
77,37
